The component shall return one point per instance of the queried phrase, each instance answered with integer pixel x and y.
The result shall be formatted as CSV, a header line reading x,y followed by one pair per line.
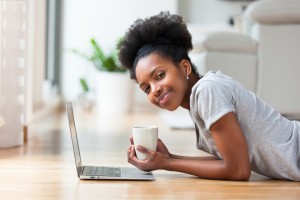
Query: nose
x,y
156,89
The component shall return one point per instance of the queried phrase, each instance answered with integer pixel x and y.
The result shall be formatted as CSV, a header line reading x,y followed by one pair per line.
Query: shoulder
x,y
214,89
212,97
213,82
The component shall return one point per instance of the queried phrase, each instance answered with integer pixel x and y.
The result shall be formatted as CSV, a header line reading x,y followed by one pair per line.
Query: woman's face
x,y
164,83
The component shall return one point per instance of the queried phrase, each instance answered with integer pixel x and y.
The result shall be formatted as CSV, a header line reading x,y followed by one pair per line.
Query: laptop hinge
x,y
81,170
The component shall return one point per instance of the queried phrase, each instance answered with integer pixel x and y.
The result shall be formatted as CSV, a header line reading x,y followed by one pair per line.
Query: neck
x,y
193,79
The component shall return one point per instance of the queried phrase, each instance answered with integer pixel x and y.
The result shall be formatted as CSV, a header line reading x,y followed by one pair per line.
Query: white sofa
x,y
232,53
265,58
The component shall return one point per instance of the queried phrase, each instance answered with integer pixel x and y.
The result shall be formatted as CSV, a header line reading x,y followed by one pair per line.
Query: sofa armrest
x,y
225,42
274,12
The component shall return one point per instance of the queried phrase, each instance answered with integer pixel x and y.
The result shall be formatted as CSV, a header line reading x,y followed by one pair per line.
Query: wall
x,y
106,21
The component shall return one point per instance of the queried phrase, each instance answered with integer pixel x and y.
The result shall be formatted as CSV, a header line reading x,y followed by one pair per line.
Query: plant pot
x,y
114,92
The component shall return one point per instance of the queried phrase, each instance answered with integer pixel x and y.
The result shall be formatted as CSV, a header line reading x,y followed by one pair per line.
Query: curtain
x,y
13,46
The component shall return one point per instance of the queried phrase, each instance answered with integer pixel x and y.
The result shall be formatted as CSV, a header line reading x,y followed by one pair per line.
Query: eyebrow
x,y
151,74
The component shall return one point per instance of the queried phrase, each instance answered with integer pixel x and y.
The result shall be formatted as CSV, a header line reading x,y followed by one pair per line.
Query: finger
x,y
128,152
131,140
131,154
160,144
132,158
143,149
132,151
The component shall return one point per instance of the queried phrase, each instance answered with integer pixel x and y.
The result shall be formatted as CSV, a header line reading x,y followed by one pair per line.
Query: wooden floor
x,y
44,168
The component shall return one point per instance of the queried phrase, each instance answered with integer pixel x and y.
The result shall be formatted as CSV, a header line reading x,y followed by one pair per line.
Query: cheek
x,y
180,83
152,100
181,87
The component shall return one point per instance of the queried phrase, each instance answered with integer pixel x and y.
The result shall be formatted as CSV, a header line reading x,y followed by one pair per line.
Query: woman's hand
x,y
155,159
161,147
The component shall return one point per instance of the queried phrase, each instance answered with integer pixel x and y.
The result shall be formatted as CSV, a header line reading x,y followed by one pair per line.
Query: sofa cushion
x,y
274,11
225,41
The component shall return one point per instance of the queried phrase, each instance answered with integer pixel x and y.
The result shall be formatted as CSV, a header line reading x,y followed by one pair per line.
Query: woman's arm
x,y
230,141
161,148
193,158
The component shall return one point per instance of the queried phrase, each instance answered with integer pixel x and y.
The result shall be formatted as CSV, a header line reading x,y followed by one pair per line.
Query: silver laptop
x,y
100,172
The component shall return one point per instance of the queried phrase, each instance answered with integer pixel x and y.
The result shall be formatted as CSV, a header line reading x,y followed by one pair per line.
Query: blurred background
x,y
53,50
72,23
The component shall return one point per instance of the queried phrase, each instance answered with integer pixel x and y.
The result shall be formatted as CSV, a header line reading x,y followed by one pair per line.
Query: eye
x,y
160,75
146,89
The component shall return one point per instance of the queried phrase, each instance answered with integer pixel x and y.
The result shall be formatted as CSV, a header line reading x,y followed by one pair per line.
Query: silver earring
x,y
187,77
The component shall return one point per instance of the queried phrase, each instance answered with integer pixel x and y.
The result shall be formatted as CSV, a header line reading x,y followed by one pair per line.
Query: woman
x,y
240,131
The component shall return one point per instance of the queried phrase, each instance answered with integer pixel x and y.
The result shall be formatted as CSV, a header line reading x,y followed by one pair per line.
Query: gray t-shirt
x,y
273,141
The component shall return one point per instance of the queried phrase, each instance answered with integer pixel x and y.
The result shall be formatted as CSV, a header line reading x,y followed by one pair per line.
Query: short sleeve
x,y
214,101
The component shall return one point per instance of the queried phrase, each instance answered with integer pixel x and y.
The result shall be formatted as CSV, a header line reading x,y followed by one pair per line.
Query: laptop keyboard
x,y
102,171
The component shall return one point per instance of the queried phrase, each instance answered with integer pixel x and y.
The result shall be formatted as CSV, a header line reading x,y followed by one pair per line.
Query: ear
x,y
186,67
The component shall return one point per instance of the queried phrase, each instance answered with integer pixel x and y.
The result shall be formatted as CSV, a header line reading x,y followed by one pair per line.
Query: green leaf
x,y
98,52
84,85
101,61
80,53
108,63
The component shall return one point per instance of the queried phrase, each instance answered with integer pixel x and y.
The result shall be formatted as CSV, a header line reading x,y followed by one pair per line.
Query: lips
x,y
163,98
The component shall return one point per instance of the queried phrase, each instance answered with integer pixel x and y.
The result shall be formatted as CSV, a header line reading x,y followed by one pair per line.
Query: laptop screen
x,y
74,137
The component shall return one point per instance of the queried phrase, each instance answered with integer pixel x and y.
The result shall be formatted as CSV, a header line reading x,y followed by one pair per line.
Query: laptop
x,y
100,172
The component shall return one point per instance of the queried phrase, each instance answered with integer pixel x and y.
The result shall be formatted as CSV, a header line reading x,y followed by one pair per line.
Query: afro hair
x,y
156,30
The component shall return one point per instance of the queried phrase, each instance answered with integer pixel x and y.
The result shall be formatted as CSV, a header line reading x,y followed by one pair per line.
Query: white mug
x,y
145,136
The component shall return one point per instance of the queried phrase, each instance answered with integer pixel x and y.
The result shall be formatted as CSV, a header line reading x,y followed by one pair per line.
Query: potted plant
x,y
114,89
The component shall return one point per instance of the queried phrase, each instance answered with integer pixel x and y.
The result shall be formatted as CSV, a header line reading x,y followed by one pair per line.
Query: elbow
x,y
239,173
242,175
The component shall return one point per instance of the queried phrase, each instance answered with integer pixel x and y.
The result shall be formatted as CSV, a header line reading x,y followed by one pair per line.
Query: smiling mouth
x,y
163,98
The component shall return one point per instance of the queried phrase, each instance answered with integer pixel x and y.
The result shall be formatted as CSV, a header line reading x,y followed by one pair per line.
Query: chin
x,y
168,107
171,108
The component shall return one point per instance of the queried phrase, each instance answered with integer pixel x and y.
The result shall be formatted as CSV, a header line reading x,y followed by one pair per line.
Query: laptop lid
x,y
127,173
75,143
